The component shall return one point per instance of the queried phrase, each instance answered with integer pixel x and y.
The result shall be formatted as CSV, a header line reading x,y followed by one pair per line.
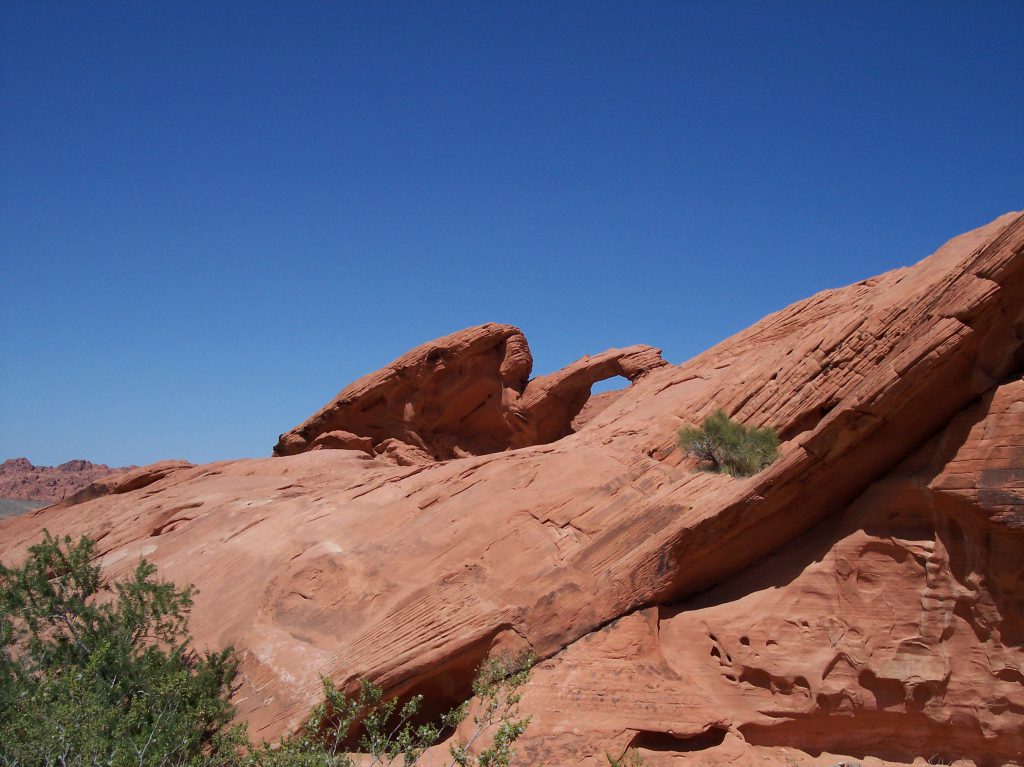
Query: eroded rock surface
x,y
125,481
859,597
903,614
466,394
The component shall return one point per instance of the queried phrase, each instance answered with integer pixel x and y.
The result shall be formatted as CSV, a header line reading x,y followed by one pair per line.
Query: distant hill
x,y
21,481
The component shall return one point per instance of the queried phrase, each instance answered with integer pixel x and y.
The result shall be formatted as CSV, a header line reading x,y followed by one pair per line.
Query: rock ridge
x,y
861,597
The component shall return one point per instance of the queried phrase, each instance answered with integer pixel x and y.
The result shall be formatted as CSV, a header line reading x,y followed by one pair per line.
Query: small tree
x,y
389,735
732,447
97,674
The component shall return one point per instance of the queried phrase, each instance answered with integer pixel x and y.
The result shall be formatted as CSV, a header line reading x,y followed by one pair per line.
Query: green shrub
x,y
731,446
388,734
95,674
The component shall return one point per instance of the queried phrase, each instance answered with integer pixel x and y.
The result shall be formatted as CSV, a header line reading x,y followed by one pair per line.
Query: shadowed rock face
x,y
861,597
466,394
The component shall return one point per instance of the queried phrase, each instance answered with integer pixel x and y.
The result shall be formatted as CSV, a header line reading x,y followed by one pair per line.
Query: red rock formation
x,y
892,630
125,481
549,404
595,405
860,597
20,479
465,394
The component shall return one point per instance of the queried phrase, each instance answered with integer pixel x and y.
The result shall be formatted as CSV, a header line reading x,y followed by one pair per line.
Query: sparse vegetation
x,y
729,446
99,674
631,758
389,735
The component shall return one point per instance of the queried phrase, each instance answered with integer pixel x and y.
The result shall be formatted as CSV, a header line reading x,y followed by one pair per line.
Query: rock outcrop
x,y
20,479
125,481
894,629
466,394
861,597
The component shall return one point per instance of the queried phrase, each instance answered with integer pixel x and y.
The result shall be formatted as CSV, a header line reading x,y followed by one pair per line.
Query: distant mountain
x,y
20,480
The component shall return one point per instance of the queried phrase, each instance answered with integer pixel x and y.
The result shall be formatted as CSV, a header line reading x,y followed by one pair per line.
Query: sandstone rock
x,y
894,630
133,478
594,405
549,404
342,440
466,394
860,597
444,397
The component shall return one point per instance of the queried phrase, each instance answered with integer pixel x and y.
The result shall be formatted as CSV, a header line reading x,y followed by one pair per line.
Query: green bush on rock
x,y
730,446
389,735
93,673
97,674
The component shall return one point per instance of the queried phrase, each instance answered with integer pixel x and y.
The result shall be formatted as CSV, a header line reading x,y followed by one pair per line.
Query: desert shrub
x,y
730,446
94,673
631,758
388,734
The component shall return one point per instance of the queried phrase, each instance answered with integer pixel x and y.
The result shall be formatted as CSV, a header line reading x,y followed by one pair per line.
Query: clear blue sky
x,y
214,215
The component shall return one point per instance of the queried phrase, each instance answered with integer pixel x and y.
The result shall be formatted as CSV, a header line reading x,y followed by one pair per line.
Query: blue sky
x,y
213,216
